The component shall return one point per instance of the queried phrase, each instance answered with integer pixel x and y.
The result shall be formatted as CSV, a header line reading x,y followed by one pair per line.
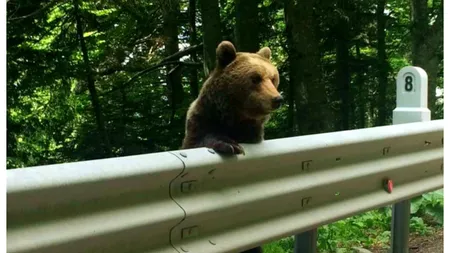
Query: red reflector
x,y
388,185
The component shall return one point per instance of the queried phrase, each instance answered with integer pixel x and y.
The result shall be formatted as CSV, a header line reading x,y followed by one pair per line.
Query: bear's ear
x,y
225,53
265,52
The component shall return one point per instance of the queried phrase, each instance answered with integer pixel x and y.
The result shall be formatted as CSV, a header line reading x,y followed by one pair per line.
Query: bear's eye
x,y
275,81
256,78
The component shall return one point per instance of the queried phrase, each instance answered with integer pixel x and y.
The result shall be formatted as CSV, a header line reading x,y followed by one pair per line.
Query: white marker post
x,y
412,106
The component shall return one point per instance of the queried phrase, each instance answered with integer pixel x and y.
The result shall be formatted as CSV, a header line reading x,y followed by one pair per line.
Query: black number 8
x,y
408,83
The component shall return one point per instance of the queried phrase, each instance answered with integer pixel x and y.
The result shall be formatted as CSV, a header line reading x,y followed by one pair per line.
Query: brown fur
x,y
234,102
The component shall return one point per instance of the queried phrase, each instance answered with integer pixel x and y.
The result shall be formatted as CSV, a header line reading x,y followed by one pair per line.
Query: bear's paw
x,y
224,146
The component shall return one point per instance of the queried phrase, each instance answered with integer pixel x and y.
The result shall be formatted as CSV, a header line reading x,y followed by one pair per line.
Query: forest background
x,y
96,79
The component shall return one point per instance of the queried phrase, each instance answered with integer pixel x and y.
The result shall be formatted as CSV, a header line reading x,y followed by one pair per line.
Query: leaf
x,y
437,212
87,34
416,203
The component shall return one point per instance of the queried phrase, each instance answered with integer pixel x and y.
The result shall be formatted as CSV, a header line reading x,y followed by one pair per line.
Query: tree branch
x,y
184,52
176,56
145,71
46,6
105,145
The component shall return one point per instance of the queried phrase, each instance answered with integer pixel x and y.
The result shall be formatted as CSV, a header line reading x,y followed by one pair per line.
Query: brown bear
x,y
234,102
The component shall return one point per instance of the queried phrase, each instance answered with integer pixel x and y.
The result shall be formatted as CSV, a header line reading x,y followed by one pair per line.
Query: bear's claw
x,y
223,145
226,148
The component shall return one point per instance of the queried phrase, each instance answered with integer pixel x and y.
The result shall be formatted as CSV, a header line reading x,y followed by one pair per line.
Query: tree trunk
x,y
342,65
291,107
372,103
104,145
124,122
211,32
361,92
382,64
247,25
427,42
304,67
171,11
193,41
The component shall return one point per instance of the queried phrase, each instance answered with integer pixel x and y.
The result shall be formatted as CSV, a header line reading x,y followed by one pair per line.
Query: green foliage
x,y
430,206
418,225
285,245
366,230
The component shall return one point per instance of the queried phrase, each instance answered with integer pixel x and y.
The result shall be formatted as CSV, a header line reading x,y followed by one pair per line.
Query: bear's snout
x,y
276,102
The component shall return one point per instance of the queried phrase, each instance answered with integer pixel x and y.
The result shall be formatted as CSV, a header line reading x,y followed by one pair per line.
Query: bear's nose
x,y
276,102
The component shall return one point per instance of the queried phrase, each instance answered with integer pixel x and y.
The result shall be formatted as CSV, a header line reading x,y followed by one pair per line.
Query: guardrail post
x,y
306,242
412,106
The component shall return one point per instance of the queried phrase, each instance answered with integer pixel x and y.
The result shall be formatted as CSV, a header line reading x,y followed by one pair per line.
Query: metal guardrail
x,y
110,205
197,201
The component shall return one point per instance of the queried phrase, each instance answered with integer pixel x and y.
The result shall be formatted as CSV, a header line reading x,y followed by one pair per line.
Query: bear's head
x,y
245,83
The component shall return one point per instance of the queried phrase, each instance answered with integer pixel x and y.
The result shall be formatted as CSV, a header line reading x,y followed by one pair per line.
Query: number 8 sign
x,y
409,83
412,96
